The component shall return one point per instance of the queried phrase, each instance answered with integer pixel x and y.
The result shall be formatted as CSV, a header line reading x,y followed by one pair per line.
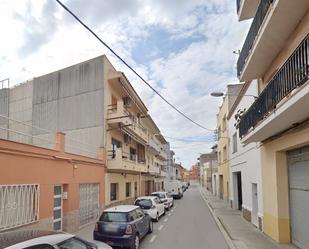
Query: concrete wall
x,y
72,100
246,160
4,110
21,110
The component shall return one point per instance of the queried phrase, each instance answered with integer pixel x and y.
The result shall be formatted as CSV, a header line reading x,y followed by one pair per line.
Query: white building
x,y
245,163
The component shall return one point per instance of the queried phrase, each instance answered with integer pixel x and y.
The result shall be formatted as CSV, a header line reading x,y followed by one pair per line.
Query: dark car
x,y
123,226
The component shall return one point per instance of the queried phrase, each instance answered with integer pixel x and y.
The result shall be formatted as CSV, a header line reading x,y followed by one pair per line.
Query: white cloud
x,y
41,37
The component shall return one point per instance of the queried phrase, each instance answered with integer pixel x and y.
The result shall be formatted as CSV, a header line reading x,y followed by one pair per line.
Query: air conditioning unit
x,y
127,101
127,139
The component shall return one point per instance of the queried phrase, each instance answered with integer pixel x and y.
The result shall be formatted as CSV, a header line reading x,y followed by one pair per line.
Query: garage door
x,y
299,196
88,202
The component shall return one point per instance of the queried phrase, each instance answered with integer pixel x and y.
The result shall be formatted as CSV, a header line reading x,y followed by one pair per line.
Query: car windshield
x,y
160,195
114,217
143,203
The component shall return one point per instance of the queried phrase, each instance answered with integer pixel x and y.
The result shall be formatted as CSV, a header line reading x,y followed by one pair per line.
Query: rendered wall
x,y
72,100
247,159
4,94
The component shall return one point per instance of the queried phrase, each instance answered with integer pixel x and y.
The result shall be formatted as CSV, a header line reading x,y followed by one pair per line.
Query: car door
x,y
137,221
144,221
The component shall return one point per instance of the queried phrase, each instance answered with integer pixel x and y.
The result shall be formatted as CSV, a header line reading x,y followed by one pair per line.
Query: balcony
x,y
273,23
246,8
120,161
118,116
154,170
163,173
281,104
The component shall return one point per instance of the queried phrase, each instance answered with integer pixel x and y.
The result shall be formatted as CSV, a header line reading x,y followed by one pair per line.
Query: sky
x,y
183,48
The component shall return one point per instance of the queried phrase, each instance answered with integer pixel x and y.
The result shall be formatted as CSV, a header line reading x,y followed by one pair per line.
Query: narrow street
x,y
188,225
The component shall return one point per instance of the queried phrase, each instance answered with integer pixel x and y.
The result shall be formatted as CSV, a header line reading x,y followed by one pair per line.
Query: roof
x,y
146,197
159,192
121,208
26,238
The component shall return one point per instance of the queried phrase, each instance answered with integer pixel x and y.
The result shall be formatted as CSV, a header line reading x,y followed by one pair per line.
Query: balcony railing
x,y
293,74
253,31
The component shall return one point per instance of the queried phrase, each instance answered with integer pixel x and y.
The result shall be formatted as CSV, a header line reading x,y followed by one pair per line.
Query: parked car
x,y
151,205
32,239
174,188
123,226
165,198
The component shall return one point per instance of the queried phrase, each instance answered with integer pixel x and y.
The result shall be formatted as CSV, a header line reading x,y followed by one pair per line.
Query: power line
x,y
191,140
125,63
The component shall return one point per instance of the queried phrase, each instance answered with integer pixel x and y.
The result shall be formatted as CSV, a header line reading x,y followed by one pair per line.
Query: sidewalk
x,y
240,233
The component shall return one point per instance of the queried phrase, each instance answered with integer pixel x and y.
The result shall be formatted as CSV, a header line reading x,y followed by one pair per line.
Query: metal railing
x,y
293,74
252,34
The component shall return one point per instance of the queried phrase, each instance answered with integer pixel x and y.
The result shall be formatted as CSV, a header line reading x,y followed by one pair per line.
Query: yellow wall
x,y
275,182
223,166
121,180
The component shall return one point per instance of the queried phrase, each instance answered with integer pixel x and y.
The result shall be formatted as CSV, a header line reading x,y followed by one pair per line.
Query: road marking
x,y
166,219
169,214
160,227
172,210
153,238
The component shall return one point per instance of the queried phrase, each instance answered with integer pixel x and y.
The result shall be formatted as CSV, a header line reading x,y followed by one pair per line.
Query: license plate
x,y
111,228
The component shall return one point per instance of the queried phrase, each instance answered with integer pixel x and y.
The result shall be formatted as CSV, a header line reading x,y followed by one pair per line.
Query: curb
x,y
219,224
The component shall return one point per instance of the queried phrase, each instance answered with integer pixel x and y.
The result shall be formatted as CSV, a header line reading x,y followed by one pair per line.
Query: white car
x,y
151,205
165,198
174,188
46,240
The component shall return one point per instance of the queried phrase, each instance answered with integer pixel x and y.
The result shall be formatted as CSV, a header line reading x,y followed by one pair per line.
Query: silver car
x,y
32,239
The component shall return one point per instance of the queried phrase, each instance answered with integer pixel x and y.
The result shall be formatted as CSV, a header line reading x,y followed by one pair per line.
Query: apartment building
x,y
275,53
223,140
245,162
208,166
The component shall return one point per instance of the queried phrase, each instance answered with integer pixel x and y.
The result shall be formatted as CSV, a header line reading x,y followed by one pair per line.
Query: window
x,y
132,154
133,215
219,157
224,155
224,123
135,189
115,145
114,217
114,190
140,213
128,189
19,205
72,244
143,203
235,142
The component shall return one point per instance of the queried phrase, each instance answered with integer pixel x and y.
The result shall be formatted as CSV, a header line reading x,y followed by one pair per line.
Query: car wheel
x,y
135,242
164,212
150,229
157,218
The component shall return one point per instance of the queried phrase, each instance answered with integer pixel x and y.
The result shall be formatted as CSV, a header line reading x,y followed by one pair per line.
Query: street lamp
x,y
222,94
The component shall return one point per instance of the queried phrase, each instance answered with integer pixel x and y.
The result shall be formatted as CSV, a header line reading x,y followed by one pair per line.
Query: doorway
x,y
254,214
221,186
239,190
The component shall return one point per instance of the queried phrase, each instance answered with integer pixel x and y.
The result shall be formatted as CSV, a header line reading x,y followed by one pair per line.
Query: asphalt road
x,y
189,225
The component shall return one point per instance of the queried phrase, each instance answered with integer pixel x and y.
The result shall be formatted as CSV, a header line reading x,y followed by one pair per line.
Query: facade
x,y
245,163
276,54
195,173
93,103
223,140
208,166
49,189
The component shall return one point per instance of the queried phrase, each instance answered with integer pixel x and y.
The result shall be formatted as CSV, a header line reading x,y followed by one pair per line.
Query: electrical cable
x,y
131,68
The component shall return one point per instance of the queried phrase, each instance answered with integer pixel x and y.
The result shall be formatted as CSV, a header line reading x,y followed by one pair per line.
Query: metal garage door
x,y
299,196
88,202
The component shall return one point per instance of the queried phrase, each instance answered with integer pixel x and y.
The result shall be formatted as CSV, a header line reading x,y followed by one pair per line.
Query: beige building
x,y
136,157
223,140
276,52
